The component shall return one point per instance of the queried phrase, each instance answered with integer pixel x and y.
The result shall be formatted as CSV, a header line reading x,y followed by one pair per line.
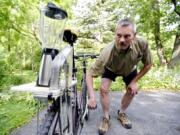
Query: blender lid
x,y
55,12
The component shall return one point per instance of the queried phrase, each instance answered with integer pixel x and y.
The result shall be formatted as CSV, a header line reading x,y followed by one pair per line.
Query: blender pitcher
x,y
52,21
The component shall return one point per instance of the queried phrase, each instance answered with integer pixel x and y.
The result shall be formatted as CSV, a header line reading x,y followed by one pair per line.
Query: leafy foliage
x,y
94,22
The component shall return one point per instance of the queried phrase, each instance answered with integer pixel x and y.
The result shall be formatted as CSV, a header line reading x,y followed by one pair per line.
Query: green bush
x,y
161,78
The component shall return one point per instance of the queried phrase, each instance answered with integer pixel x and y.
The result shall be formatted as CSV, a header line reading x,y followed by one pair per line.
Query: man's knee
x,y
104,91
129,93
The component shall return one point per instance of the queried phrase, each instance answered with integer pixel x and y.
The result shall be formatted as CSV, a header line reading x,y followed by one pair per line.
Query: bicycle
x,y
66,109
84,92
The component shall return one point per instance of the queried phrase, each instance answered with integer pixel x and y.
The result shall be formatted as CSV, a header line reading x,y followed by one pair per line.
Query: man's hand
x,y
92,103
133,88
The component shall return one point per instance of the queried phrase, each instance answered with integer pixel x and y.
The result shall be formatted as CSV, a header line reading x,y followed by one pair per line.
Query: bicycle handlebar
x,y
92,56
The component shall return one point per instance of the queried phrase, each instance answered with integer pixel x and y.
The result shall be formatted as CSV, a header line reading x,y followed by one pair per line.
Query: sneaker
x,y
124,120
104,126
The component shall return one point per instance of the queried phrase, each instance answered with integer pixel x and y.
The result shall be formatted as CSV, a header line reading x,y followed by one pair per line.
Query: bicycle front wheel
x,y
49,123
84,99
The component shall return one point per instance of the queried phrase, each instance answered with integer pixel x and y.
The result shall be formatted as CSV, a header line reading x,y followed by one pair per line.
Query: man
x,y
120,58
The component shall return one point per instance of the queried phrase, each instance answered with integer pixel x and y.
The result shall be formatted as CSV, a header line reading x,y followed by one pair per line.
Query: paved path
x,y
151,113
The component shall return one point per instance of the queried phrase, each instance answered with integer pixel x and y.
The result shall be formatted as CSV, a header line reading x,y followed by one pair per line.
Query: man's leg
x,y
105,103
126,100
104,96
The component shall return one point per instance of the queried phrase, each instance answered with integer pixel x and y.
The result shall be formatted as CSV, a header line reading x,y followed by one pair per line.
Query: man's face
x,y
124,36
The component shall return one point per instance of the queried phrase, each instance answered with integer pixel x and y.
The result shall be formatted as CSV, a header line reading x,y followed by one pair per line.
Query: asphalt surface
x,y
151,113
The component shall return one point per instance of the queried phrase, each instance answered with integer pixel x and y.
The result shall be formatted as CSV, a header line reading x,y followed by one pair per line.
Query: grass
x,y
15,110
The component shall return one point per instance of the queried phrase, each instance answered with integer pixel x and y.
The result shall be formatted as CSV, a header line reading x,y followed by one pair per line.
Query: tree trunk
x,y
159,46
160,50
175,59
176,10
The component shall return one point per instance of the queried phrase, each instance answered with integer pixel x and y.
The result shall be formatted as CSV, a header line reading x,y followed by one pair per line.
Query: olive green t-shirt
x,y
122,62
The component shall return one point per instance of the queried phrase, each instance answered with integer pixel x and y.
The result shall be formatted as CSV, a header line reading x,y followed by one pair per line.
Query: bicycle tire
x,y
84,98
49,119
66,115
49,124
80,108
75,112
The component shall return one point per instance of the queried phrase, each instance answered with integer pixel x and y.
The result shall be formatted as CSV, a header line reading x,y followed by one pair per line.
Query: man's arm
x,y
93,71
142,72
147,61
133,84
92,100
96,70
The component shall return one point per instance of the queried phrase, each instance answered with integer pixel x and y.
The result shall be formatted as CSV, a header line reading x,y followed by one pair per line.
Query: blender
x,y
52,22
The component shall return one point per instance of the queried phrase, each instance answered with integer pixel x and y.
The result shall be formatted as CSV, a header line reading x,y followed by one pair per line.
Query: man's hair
x,y
127,22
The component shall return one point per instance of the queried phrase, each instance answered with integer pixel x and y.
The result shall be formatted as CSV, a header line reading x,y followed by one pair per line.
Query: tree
x,y
157,33
175,59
